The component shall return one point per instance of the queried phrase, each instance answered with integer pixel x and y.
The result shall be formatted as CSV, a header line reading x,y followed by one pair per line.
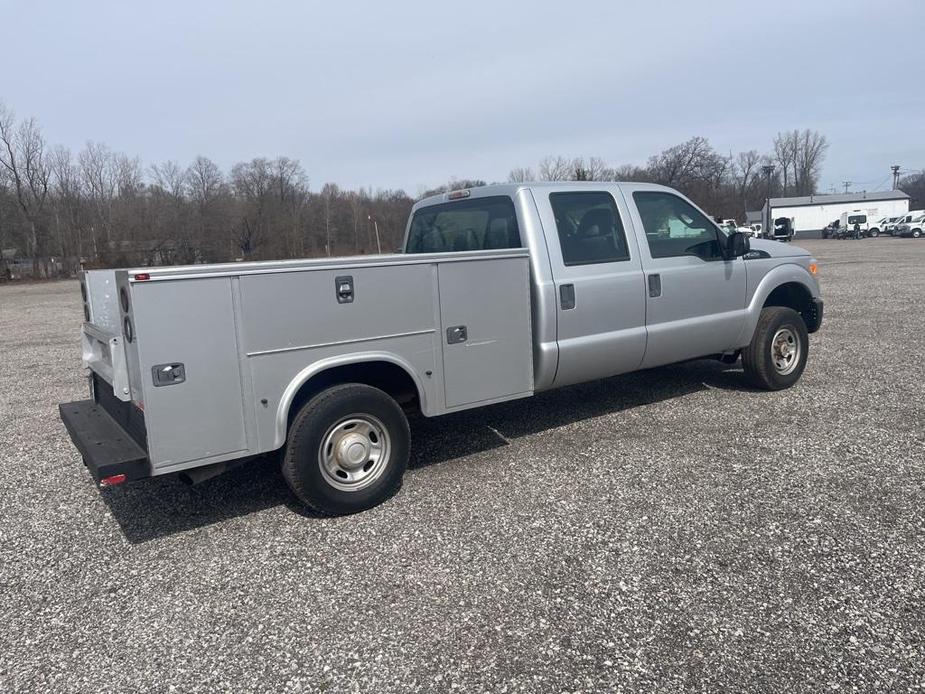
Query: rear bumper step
x,y
106,447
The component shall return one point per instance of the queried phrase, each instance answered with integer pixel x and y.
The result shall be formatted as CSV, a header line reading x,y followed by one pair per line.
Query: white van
x,y
859,217
912,224
884,225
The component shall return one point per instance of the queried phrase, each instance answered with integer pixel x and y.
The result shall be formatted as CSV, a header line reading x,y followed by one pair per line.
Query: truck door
x,y
695,299
600,292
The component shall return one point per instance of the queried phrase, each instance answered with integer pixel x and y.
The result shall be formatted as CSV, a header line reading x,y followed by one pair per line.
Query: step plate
x,y
106,447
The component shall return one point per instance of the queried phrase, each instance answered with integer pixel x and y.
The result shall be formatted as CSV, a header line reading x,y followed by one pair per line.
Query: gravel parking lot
x,y
670,530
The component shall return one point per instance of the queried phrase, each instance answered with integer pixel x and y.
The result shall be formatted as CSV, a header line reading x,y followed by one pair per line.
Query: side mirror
x,y
737,245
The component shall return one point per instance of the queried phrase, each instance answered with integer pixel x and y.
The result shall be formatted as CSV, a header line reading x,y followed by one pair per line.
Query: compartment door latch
x,y
168,374
343,288
456,335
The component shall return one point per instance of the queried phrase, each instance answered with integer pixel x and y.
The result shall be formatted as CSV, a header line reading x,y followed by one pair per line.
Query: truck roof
x,y
511,189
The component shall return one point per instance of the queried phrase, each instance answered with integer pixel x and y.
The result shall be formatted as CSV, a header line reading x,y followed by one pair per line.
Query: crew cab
x,y
501,292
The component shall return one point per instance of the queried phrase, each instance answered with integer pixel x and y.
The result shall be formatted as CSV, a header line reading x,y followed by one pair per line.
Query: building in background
x,y
811,213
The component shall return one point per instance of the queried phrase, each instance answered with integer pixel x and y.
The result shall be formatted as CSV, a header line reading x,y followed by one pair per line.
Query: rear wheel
x,y
874,233
776,356
347,449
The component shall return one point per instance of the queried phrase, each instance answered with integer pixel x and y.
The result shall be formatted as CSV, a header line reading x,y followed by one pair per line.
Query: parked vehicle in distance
x,y
501,292
855,217
912,225
831,229
756,230
884,225
890,226
783,229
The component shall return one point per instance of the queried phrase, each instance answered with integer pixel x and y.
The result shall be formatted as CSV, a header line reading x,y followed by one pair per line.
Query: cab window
x,y
676,228
468,225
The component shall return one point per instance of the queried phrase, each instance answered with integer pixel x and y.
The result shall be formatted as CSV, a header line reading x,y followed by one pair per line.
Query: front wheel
x,y
874,233
347,449
776,356
916,233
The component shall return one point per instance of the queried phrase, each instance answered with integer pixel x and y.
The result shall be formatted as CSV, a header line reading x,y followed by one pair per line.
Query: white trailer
x,y
812,213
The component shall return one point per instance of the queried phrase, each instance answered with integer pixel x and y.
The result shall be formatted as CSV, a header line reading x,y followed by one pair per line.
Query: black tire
x,y
874,233
916,233
320,417
758,358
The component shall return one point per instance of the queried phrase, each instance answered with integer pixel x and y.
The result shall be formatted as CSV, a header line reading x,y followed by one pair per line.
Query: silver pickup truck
x,y
501,292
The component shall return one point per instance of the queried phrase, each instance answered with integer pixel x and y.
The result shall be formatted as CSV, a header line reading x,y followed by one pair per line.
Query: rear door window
x,y
475,224
589,227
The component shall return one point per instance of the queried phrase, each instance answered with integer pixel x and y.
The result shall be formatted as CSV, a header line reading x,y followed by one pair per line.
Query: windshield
x,y
857,219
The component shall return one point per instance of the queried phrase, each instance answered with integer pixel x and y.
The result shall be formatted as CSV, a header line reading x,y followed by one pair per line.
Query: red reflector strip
x,y
457,194
112,480
142,276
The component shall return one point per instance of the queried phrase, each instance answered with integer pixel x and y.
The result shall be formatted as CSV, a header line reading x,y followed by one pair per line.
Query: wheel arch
x,y
788,285
382,370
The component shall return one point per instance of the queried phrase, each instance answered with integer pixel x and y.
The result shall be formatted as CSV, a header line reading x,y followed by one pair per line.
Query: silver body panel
x,y
249,335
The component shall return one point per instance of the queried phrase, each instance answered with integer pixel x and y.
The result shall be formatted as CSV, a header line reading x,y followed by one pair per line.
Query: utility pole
x,y
376,227
847,184
895,169
767,170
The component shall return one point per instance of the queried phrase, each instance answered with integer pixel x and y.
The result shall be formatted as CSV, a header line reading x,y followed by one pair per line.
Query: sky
x,y
411,94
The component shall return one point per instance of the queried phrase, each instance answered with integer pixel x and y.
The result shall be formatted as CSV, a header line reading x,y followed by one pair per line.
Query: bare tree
x,y
69,204
811,147
22,156
5,225
631,172
329,193
555,169
100,180
206,187
521,175
785,155
914,186
681,165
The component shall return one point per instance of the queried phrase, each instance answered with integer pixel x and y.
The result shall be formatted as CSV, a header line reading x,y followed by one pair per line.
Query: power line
x,y
882,182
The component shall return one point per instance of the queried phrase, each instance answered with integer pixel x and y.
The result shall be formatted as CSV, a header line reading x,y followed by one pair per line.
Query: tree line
x,y
725,185
101,208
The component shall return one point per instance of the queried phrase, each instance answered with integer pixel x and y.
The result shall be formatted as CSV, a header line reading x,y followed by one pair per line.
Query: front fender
x,y
787,273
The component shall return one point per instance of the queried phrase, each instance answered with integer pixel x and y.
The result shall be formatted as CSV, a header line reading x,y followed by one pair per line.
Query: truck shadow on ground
x,y
160,507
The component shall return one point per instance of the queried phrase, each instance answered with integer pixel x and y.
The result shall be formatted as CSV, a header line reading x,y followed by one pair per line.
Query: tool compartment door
x,y
190,324
485,329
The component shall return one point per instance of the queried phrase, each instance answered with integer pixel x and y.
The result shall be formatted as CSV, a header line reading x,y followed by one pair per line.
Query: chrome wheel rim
x,y
785,351
354,452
